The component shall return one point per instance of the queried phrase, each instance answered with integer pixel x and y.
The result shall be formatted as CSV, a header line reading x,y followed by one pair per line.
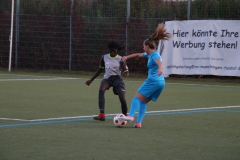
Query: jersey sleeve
x,y
124,67
101,63
145,55
155,57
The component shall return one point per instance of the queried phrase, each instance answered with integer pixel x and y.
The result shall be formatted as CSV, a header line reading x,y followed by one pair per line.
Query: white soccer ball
x,y
118,122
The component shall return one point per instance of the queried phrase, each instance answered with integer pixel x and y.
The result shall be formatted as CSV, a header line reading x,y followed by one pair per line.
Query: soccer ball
x,y
118,122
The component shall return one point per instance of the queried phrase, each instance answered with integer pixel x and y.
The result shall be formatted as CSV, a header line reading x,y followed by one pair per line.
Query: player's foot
x,y
126,118
137,125
100,117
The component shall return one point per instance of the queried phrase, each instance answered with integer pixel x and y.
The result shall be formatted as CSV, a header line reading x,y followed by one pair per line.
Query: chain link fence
x,y
73,34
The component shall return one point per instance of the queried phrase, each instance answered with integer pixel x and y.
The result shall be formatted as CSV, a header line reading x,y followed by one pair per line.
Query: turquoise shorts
x,y
152,89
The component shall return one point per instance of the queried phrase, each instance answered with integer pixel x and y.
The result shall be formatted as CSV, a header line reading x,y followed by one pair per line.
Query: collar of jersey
x,y
112,57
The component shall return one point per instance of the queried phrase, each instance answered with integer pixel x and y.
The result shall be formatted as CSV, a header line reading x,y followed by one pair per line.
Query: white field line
x,y
76,117
38,79
193,109
33,79
25,75
207,85
49,78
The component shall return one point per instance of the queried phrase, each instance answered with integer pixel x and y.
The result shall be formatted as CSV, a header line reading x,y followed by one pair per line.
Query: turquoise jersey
x,y
152,66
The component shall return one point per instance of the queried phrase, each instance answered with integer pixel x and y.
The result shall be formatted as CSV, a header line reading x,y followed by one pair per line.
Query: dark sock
x,y
101,101
123,103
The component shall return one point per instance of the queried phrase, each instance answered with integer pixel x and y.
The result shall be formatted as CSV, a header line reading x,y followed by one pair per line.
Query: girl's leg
x,y
134,106
142,111
123,103
101,97
142,98
101,102
136,103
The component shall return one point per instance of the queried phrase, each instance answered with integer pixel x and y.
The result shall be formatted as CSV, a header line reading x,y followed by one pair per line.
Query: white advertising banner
x,y
206,47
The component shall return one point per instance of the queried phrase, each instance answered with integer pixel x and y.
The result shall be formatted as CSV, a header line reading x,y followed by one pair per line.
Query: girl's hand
x,y
88,82
124,58
160,72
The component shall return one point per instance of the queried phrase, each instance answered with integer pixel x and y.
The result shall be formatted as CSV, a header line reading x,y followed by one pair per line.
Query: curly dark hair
x,y
114,45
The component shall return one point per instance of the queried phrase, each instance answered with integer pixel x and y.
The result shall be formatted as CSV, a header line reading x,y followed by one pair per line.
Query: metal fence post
x,y
188,11
127,22
11,38
70,36
17,33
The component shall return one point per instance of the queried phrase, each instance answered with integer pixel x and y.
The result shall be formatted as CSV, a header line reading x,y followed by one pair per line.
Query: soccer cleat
x,y
126,118
100,117
137,125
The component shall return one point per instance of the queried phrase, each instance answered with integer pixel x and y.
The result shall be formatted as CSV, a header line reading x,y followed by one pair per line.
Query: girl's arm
x,y
101,67
88,82
159,63
134,55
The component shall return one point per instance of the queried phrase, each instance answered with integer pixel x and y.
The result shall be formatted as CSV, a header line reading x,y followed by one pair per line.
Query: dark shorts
x,y
116,82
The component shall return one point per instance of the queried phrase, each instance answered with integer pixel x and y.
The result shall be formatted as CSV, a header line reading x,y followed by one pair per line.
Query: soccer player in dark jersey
x,y
113,66
151,89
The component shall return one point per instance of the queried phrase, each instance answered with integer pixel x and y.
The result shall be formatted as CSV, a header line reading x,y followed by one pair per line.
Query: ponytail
x,y
159,34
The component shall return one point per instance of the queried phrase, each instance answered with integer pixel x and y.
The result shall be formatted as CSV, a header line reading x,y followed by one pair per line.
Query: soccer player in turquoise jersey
x,y
154,84
113,67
